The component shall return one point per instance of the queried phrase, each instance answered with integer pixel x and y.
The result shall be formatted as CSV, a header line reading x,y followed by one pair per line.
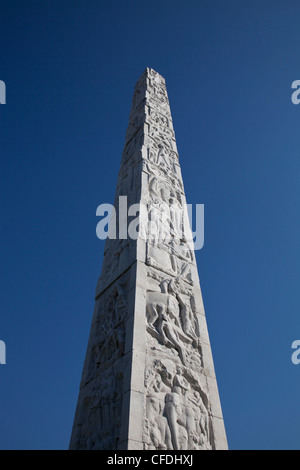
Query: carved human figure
x,y
181,268
154,223
202,420
165,138
159,222
186,315
162,157
163,316
184,406
154,189
110,327
168,326
170,314
165,218
176,218
182,250
159,432
175,407
120,309
181,415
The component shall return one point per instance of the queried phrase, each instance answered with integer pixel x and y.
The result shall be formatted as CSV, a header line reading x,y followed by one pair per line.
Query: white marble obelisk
x,y
148,380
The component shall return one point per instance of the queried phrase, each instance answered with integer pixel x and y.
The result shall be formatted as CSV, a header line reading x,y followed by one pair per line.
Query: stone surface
x,y
148,380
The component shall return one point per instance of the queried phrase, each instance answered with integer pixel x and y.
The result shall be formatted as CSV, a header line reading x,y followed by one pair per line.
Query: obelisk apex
x,y
148,380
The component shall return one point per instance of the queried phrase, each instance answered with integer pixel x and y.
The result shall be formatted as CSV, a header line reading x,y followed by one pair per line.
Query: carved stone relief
x,y
172,323
107,344
178,414
100,412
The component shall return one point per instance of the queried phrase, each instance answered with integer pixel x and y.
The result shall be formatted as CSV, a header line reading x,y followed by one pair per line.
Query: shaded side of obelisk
x,y
148,380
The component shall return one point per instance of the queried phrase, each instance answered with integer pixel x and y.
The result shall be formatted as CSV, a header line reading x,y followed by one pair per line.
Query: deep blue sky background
x,y
70,68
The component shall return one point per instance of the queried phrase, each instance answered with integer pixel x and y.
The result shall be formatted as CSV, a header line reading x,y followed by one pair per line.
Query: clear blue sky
x,y
70,69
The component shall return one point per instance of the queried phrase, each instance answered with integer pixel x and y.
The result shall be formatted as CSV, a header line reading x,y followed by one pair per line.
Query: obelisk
x,y
148,380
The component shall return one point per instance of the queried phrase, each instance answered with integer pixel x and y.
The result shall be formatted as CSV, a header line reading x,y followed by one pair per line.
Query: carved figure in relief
x,y
111,328
202,421
167,328
101,412
162,138
164,322
160,120
174,406
176,217
166,176
165,216
182,250
154,227
159,222
187,319
175,394
181,268
154,188
172,321
162,158
161,94
157,424
181,258
120,310
163,255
